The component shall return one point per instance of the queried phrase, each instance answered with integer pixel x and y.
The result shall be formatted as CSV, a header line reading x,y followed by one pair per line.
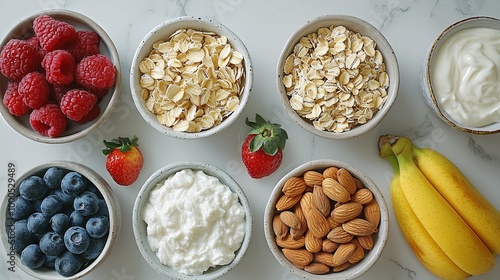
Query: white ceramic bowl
x,y
163,32
426,73
380,237
356,25
108,195
24,29
139,226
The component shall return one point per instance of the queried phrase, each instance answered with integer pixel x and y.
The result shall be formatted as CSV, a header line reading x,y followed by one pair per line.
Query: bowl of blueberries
x,y
60,220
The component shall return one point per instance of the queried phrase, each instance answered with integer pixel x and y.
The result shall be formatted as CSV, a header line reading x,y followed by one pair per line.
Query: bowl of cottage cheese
x,y
192,221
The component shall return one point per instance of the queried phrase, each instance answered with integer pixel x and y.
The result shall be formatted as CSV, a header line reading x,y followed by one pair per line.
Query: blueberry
x,y
53,177
50,262
66,199
22,209
97,226
76,219
37,205
86,203
23,236
59,223
52,244
73,183
32,188
76,239
68,264
94,189
51,205
32,256
95,248
38,223
103,208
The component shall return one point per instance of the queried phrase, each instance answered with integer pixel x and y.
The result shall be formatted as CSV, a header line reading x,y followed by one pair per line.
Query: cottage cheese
x,y
194,222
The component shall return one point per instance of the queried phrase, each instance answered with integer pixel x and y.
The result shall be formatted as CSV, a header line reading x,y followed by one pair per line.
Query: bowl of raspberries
x,y
59,76
59,220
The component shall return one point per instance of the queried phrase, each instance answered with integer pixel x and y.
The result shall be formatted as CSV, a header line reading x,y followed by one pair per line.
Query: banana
x,y
425,248
470,204
442,222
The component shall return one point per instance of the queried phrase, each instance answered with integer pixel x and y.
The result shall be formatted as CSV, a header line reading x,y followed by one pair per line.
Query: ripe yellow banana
x,y
442,222
470,204
425,248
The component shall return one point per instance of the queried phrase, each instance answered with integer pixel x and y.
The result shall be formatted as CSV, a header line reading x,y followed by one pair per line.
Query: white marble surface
x,y
409,25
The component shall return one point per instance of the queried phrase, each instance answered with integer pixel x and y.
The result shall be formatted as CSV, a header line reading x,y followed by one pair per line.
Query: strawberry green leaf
x,y
268,136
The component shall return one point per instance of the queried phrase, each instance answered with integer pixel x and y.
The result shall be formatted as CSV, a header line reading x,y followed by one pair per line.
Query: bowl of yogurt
x,y
192,221
461,75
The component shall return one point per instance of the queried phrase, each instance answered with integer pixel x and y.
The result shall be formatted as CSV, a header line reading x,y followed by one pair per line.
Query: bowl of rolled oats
x,y
191,77
337,76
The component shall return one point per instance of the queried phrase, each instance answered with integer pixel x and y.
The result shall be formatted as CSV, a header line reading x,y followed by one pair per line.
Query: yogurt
x,y
194,222
465,76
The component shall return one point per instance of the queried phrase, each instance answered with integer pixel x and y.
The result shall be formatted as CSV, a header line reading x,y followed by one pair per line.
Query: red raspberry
x,y
59,67
90,116
13,100
52,33
35,42
77,103
48,120
58,91
86,44
95,72
18,58
34,89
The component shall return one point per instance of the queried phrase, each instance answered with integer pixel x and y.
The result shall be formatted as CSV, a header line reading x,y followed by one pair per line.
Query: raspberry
x,y
59,67
13,100
76,103
48,120
52,33
90,116
95,72
18,58
34,89
86,44
58,91
35,42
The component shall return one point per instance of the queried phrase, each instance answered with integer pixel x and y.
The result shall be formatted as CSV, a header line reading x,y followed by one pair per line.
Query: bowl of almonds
x,y
191,77
326,220
337,76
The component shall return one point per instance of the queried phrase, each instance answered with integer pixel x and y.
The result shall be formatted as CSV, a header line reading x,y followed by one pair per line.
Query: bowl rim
x,y
139,226
383,45
370,258
440,39
195,22
108,195
106,41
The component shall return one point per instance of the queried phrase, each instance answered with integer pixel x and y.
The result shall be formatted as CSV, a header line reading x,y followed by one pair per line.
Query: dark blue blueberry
x,y
76,219
32,256
94,189
97,226
86,203
50,262
51,205
95,248
52,244
103,208
37,205
38,223
68,264
22,209
32,188
59,223
53,177
76,240
66,199
23,236
73,183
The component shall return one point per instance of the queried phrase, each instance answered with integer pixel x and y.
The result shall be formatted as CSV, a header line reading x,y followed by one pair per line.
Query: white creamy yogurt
x,y
194,222
466,76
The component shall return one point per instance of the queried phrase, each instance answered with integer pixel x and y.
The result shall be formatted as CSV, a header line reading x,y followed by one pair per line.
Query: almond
x,y
344,177
329,246
339,235
343,253
294,186
289,243
286,202
296,233
313,244
317,268
330,172
313,178
372,212
290,219
324,258
363,196
366,241
333,224
346,212
359,254
279,228
321,201
299,257
342,267
359,184
359,227
335,191
317,223
306,202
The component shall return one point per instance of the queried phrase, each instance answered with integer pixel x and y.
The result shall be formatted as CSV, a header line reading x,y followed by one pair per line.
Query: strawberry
x,y
262,150
123,160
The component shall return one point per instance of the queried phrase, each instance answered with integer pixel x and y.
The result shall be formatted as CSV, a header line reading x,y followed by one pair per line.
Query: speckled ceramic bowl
x,y
356,25
74,131
162,32
380,237
140,226
426,80
102,186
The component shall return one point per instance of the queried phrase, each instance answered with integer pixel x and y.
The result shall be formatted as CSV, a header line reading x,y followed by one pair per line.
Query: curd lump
x,y
466,76
194,222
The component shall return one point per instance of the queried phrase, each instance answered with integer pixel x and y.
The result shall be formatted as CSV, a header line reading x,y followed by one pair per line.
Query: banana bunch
x,y
450,226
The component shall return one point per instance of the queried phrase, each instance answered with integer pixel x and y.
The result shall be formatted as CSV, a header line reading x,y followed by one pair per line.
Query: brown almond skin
x,y
335,191
344,177
317,223
363,196
279,228
342,267
306,202
359,254
346,212
324,258
329,246
321,201
290,219
313,244
294,186
330,172
299,257
359,227
286,202
289,243
317,268
371,211
313,178
366,241
339,235
343,253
